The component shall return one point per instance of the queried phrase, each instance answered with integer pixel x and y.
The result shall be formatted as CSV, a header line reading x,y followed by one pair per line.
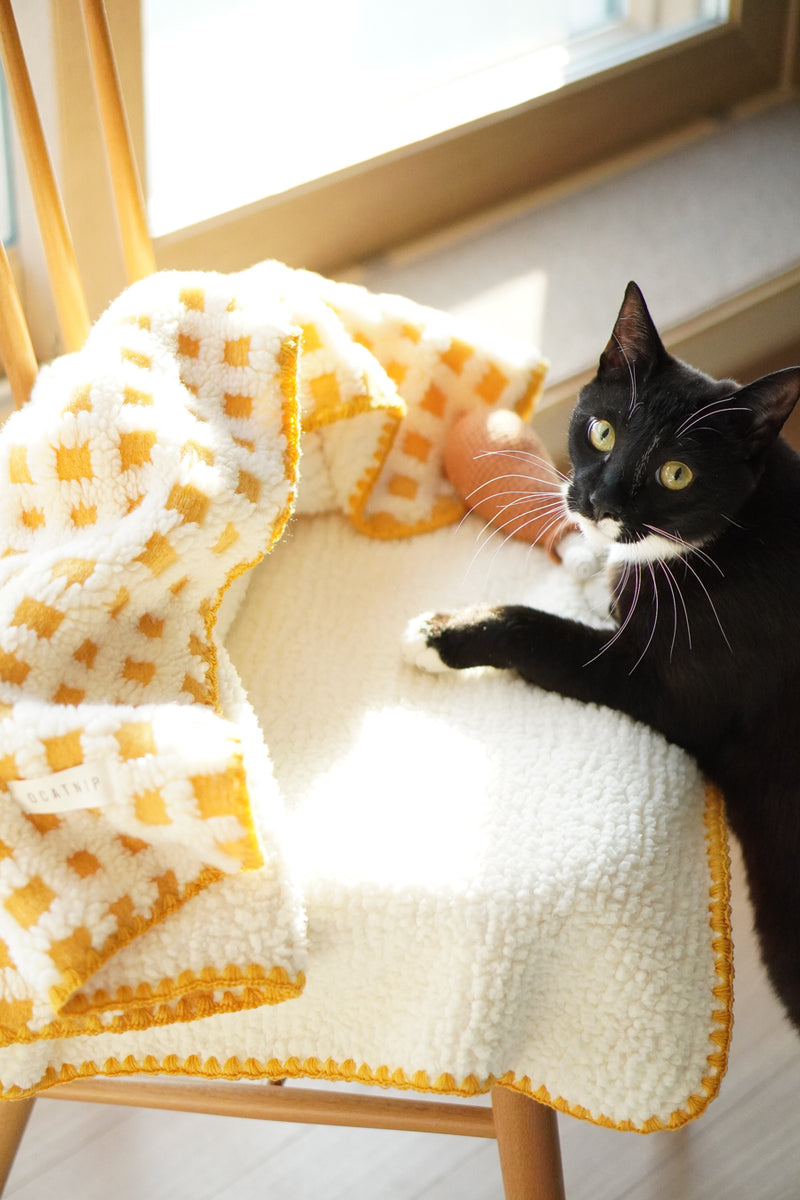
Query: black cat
x,y
686,483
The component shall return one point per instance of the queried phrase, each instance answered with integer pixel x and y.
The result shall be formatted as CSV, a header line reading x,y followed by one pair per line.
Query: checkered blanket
x,y
147,473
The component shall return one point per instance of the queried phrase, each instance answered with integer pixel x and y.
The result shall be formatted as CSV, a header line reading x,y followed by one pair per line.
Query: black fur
x,y
707,649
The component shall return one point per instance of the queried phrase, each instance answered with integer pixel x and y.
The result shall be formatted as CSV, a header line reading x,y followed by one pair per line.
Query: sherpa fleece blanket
x,y
450,881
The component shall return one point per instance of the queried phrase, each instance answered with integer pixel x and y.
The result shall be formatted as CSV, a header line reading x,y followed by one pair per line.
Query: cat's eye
x,y
601,435
675,476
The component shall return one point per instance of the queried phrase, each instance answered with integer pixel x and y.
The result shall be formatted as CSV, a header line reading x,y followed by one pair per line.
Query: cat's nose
x,y
605,507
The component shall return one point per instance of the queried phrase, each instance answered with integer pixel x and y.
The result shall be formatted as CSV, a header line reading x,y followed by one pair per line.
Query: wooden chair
x,y
526,1131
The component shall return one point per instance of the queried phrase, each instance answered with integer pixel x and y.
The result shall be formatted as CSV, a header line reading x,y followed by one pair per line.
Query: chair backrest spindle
x,y
16,348
73,316
128,198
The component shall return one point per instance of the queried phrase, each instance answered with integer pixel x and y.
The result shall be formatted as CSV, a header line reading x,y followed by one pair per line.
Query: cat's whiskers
x,y
557,521
631,374
554,511
675,589
550,507
619,586
472,497
522,492
558,518
709,561
546,500
637,588
525,456
705,413
689,567
542,503
649,641
689,547
676,596
674,614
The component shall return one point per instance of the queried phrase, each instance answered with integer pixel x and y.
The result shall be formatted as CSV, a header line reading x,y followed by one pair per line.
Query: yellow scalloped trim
x,y
290,427
166,904
447,510
525,406
350,1072
189,998
363,402
277,981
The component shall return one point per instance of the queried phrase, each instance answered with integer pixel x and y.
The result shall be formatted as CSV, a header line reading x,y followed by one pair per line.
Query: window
x,y
263,107
601,100
404,193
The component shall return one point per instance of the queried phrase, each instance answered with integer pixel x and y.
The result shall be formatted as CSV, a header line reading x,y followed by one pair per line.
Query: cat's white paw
x,y
416,650
579,558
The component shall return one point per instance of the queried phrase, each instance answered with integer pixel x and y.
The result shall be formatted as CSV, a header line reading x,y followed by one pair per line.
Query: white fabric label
x,y
90,785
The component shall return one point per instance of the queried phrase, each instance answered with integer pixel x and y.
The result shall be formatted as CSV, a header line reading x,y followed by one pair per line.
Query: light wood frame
x,y
526,1132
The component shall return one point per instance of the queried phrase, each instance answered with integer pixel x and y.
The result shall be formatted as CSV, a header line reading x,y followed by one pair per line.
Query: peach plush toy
x,y
500,468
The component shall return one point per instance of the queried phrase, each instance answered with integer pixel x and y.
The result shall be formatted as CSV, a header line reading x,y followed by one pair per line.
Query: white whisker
x,y
631,374
551,513
655,619
704,414
522,492
637,586
511,475
515,532
542,508
688,546
543,501
689,567
669,576
526,456
619,586
717,402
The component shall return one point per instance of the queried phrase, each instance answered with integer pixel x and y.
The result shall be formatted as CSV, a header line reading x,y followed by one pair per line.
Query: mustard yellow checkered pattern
x,y
148,471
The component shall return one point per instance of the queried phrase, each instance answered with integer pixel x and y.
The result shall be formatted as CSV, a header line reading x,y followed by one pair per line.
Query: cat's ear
x,y
770,401
634,342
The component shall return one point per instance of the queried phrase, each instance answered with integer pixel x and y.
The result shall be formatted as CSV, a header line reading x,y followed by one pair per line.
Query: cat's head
x,y
663,456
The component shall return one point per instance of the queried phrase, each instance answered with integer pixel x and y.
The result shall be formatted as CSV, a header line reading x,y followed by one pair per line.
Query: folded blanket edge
x,y
348,1071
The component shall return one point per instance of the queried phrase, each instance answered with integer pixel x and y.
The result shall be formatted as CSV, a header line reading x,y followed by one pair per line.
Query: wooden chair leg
x,y
13,1119
527,1141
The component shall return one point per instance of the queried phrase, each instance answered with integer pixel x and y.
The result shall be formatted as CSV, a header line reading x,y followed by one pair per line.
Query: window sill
x,y
706,224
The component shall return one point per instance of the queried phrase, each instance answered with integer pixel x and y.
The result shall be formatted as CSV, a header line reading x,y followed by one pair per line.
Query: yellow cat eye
x,y
601,435
675,476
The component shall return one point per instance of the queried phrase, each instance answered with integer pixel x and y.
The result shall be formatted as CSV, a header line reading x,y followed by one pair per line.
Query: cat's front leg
x,y
552,652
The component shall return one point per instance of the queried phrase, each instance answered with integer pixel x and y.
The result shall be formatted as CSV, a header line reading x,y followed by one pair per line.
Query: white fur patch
x,y
416,651
603,535
580,558
650,549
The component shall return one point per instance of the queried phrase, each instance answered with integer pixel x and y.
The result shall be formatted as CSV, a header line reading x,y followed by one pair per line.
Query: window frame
x,y
369,209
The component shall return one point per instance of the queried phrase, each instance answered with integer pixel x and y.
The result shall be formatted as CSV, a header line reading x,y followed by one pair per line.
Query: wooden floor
x,y
745,1147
